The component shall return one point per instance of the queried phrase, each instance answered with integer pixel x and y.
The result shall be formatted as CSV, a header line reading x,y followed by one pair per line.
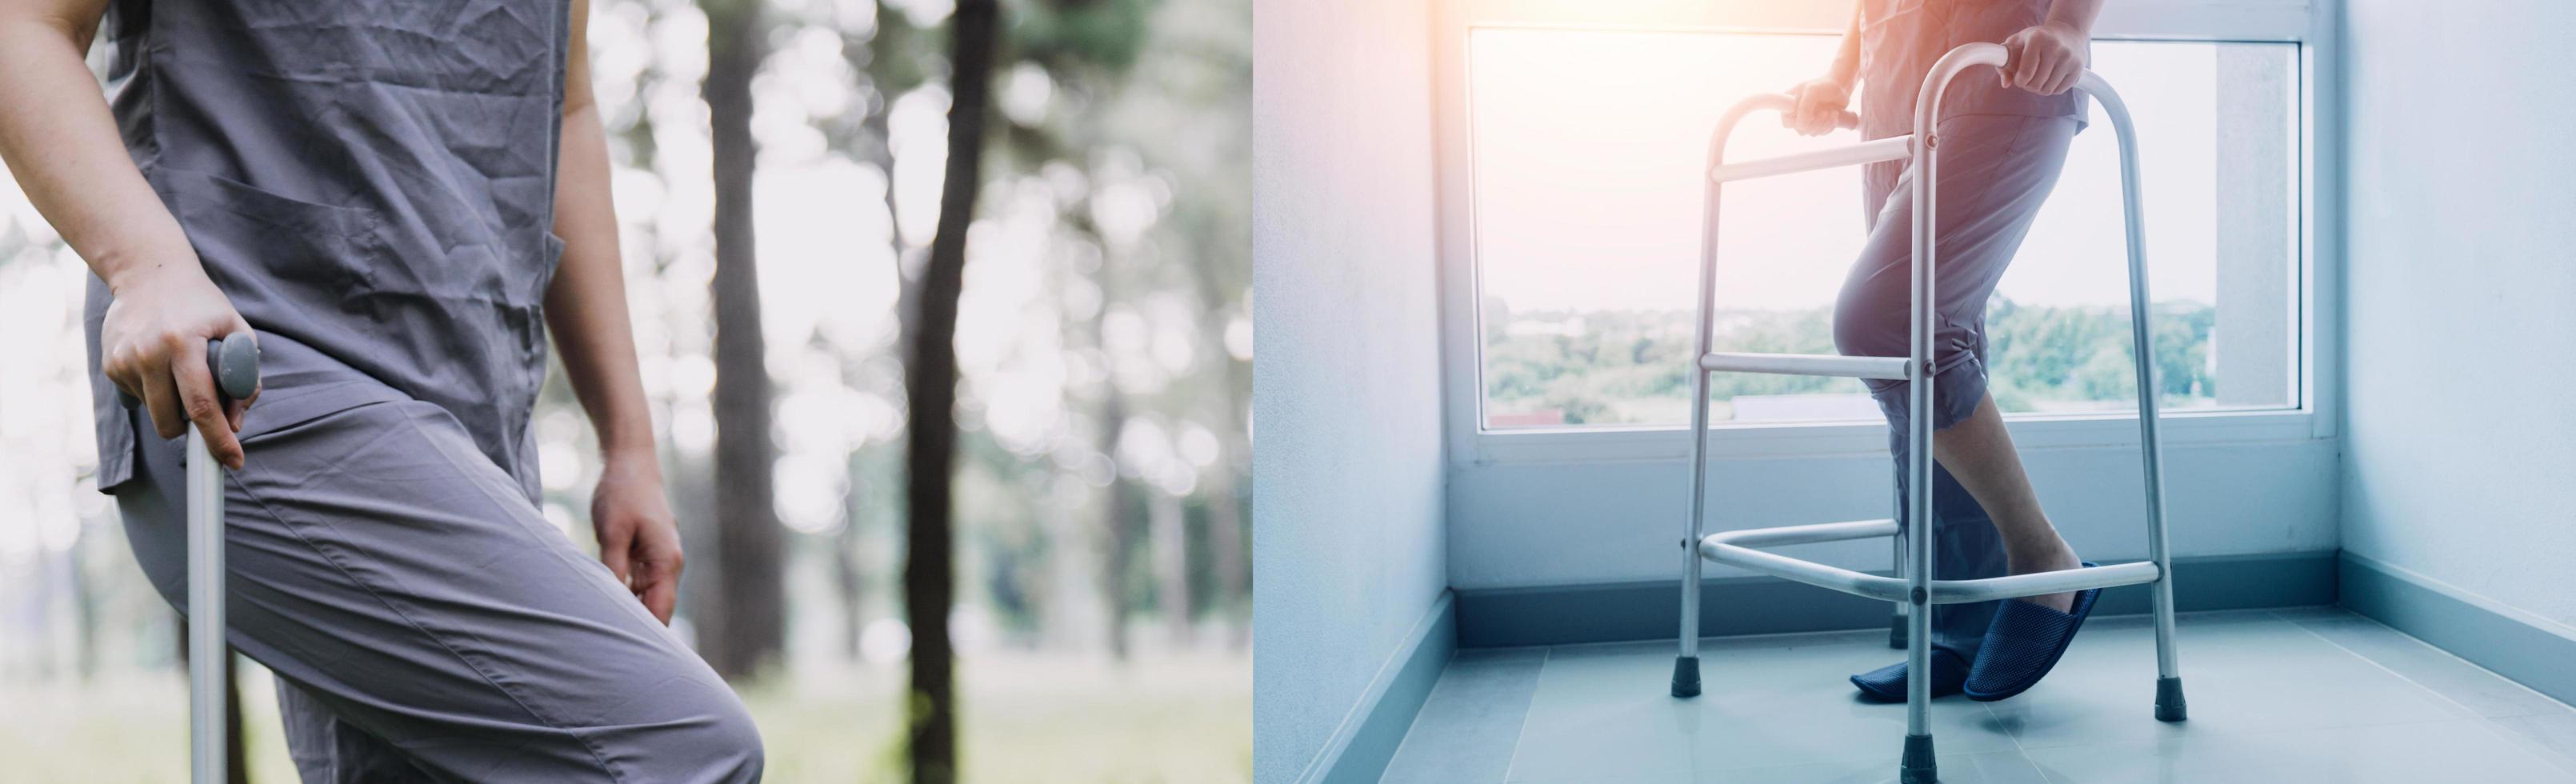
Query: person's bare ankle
x,y
2048,556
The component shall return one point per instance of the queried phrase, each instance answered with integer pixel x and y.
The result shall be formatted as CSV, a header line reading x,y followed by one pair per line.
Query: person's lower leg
x,y
1979,453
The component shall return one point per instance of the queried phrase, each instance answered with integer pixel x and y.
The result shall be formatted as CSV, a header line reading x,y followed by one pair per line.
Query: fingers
x,y
1813,116
658,584
236,410
661,598
201,405
1800,117
616,549
2034,70
2013,59
2045,80
2040,65
160,398
2067,77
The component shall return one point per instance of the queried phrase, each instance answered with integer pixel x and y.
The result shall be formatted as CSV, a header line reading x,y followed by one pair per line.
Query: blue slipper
x,y
1887,684
2023,643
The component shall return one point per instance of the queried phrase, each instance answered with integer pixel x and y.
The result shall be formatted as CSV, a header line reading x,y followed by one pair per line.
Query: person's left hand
x,y
2047,58
639,540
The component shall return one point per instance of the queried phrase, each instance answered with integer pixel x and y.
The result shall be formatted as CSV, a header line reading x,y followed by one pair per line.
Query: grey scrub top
x,y
1901,39
370,179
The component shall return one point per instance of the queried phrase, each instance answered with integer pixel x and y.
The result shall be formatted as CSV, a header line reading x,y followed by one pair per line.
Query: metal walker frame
x,y
1913,589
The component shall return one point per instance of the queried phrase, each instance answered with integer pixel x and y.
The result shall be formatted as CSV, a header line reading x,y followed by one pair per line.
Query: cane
x,y
235,363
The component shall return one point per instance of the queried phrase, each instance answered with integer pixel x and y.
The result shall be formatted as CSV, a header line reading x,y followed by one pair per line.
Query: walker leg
x,y
1686,676
2169,703
1896,619
1686,667
1918,767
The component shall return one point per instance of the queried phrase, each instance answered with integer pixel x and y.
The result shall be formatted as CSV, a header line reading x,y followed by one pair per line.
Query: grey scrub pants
x,y
424,620
1995,171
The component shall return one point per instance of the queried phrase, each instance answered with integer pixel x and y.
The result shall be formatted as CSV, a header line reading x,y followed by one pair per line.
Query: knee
x,y
712,740
735,744
732,743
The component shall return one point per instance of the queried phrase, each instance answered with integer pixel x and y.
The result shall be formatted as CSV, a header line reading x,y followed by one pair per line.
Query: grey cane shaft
x,y
234,362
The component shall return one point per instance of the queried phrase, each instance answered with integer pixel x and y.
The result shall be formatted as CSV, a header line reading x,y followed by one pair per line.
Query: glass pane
x,y
1588,146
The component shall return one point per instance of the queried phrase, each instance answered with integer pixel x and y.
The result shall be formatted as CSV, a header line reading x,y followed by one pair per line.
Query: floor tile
x,y
2452,750
2481,692
2551,735
1993,767
1468,726
1997,767
1769,702
2238,677
2306,694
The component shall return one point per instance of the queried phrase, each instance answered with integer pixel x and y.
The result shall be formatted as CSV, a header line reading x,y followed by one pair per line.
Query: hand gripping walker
x,y
235,363
1913,589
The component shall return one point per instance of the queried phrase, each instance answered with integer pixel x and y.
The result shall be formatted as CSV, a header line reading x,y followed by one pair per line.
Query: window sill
x,y
1740,441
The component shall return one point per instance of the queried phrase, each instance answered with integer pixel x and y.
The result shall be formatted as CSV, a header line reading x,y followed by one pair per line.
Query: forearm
x,y
586,304
2077,15
62,145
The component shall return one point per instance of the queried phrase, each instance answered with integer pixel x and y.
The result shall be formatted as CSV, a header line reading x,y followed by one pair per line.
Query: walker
x,y
1912,589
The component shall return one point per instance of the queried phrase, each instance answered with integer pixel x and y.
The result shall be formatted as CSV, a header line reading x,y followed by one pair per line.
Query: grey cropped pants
x,y
424,620
1995,171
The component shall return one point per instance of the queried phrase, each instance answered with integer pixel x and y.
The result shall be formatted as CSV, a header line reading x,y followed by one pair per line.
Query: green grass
x,y
1026,718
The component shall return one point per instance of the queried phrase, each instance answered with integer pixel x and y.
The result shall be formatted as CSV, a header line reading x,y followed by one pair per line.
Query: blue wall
x,y
2459,467
1347,515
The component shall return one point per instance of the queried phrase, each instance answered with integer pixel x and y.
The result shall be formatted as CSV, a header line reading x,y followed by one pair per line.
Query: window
x,y
1586,150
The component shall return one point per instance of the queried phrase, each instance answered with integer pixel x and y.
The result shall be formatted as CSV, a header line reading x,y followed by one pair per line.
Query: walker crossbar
x,y
1913,587
1888,149
1891,368
1736,548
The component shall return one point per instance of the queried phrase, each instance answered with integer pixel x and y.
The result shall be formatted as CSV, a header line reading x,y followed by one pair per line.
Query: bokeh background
x,y
1102,602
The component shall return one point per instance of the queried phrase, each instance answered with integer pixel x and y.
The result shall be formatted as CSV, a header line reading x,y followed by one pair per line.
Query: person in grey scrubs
x,y
398,198
2004,138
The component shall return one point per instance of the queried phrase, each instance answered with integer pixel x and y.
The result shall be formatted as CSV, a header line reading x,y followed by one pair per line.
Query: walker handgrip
x,y
234,361
1787,105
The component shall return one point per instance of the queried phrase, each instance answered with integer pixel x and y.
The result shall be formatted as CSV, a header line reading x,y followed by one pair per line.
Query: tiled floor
x,y
2282,696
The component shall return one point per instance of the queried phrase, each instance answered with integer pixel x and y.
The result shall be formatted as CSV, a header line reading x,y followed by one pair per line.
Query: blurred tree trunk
x,y
237,753
852,585
890,73
84,603
746,628
931,389
1118,512
1232,581
1171,547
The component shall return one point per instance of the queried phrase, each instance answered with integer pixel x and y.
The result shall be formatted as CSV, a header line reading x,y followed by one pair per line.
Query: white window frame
x,y
2310,23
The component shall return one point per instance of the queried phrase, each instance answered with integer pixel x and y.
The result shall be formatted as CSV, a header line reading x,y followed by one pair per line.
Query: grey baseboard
x,y
2528,650
1558,615
1361,755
